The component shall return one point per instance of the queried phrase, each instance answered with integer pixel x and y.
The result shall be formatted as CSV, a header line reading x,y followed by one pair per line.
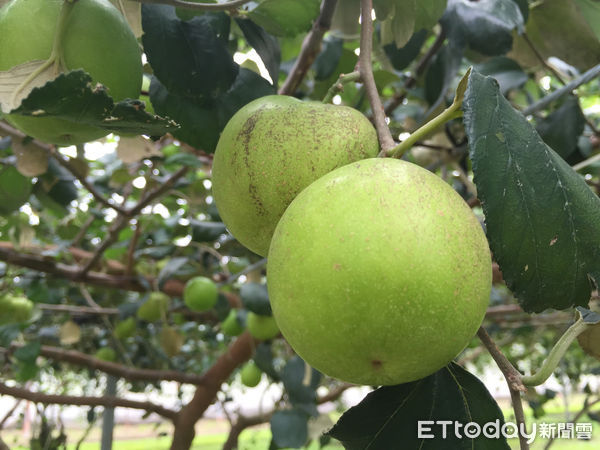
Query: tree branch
x,y
107,402
513,379
386,141
118,370
311,46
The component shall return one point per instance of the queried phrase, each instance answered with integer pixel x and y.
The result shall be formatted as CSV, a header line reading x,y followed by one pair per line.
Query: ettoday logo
x,y
429,429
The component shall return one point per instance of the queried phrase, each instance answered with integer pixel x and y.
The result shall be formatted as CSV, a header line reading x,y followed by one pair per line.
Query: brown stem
x,y
107,402
366,74
77,310
240,351
118,370
513,379
512,375
311,46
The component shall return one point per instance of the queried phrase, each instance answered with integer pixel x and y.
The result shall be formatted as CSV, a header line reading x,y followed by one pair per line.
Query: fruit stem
x,y
556,354
452,112
338,86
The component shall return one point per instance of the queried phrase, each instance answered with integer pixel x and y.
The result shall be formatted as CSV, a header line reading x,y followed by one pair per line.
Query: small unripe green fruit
x,y
379,273
97,40
251,374
231,326
200,294
15,309
273,148
126,328
106,354
262,327
154,308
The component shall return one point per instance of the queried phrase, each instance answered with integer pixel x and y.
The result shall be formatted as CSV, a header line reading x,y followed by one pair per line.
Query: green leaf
x,y
171,269
289,428
72,96
561,129
202,121
14,189
29,352
301,383
184,159
485,26
541,217
428,13
264,360
255,298
286,17
506,71
8,333
390,414
403,22
402,57
560,28
188,57
590,10
326,61
265,45
203,231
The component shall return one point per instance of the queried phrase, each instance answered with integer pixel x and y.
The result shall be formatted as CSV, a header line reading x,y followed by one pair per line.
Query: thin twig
x,y
539,56
386,141
254,266
311,47
338,86
110,402
512,375
81,233
517,404
77,310
131,250
568,88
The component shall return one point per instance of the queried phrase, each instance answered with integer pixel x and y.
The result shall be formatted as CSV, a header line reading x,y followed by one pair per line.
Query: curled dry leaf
x,y
133,149
17,83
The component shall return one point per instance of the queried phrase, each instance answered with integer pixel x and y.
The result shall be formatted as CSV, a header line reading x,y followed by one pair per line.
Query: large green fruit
x,y
106,354
97,40
200,294
379,273
250,374
273,148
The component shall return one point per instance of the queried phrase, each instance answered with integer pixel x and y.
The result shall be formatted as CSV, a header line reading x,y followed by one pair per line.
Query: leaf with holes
x,y
541,217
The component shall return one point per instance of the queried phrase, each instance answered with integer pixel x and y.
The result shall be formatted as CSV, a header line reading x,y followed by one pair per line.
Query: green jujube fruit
x,y
273,148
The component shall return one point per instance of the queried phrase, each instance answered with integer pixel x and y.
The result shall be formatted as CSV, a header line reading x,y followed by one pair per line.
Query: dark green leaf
x,y
391,414
428,12
561,129
29,352
26,371
541,217
206,231
171,269
9,333
264,360
328,59
286,17
300,385
485,25
184,159
265,45
199,123
14,189
506,71
187,57
402,57
289,428
255,298
73,97
441,74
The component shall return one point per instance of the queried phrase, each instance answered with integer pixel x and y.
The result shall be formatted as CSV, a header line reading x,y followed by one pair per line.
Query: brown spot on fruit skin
x,y
377,364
